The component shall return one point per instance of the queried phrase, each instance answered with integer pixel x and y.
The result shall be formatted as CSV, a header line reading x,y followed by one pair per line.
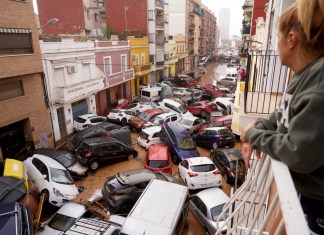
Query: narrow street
x,y
96,180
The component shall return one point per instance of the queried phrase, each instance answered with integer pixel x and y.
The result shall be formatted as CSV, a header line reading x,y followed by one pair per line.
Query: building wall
x,y
70,15
136,15
258,11
177,13
29,108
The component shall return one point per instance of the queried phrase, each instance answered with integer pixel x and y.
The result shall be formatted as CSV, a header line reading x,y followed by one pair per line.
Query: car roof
x,y
88,115
135,176
99,140
153,111
190,118
179,129
53,153
215,128
166,115
175,103
72,209
233,154
213,197
49,161
152,129
199,160
158,152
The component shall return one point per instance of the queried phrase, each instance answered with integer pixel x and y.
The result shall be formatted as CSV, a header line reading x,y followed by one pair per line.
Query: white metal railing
x,y
266,203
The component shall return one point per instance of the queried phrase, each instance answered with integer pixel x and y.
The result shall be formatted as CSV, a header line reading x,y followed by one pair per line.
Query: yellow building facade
x,y
139,60
173,59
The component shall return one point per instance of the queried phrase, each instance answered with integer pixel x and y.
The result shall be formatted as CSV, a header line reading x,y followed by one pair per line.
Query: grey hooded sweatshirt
x,y
294,134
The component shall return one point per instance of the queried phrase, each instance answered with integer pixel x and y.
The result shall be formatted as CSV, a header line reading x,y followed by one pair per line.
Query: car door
x,y
156,138
199,209
109,152
40,174
202,138
194,108
183,169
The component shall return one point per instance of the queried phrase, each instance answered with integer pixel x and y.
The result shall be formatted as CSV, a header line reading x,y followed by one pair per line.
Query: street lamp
x,y
51,21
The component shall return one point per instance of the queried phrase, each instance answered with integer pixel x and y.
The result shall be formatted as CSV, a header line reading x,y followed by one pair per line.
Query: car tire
x,y
203,113
94,165
215,146
123,122
130,156
225,178
46,195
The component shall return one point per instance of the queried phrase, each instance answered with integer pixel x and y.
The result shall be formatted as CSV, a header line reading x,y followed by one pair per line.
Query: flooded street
x,y
96,180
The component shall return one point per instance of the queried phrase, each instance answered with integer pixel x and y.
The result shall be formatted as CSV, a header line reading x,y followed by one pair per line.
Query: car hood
x,y
137,121
188,153
68,190
78,168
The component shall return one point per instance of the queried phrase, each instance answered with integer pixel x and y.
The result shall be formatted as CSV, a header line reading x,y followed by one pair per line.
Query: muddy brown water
x,y
96,180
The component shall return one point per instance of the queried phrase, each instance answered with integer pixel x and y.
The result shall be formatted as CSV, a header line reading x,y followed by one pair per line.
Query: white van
x,y
231,73
175,107
162,209
152,93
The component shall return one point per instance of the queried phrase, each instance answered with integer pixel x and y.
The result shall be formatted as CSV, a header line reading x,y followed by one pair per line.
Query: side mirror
x,y
44,177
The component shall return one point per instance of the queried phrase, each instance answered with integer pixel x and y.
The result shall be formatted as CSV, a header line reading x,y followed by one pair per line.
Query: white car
x,y
149,136
199,172
192,124
51,178
181,91
121,116
162,118
207,205
139,107
227,92
146,86
225,104
86,120
63,219
174,107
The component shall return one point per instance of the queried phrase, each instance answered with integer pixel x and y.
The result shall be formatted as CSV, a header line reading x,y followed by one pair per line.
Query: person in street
x,y
294,133
242,75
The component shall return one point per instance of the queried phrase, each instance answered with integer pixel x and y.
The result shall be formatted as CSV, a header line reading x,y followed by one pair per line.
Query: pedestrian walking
x,y
294,133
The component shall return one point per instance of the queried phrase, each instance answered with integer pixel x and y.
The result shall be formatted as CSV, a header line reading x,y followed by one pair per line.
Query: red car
x,y
201,108
137,122
223,121
122,104
184,81
158,159
213,90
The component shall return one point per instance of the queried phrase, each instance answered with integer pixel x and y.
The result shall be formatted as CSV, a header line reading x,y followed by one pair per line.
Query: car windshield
x,y
203,168
216,211
157,120
61,222
143,135
182,109
158,163
61,176
186,143
186,122
80,120
66,160
144,116
115,111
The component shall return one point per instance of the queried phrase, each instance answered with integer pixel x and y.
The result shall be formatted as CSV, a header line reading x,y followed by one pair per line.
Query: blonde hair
x,y
305,17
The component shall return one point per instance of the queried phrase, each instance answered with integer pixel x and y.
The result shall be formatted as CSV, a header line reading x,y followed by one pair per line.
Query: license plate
x,y
228,138
206,185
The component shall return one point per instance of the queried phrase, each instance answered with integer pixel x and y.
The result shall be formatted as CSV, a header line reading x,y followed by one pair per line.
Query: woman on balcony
x,y
294,134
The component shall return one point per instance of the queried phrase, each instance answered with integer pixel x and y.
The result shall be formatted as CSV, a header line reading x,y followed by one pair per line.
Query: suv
x,y
127,186
101,129
215,137
227,162
95,151
179,140
87,120
15,219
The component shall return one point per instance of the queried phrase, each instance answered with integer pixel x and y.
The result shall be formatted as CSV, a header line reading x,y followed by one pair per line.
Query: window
x,y
87,71
11,90
15,41
143,59
150,15
123,63
107,62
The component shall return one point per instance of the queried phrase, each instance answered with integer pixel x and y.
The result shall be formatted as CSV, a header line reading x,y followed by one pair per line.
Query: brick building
x,y
24,119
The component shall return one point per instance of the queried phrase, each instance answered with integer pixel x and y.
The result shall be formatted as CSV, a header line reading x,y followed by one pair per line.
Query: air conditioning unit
x,y
72,69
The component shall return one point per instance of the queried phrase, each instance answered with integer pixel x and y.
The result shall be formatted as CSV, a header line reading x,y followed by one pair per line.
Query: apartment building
x,y
208,29
24,121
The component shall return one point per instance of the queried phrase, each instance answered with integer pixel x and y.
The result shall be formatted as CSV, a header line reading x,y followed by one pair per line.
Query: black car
x,y
127,186
99,130
100,150
228,161
68,160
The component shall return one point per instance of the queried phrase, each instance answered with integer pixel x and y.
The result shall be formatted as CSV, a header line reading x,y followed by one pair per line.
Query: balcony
x,y
197,11
191,51
265,203
118,78
142,69
159,64
159,4
159,44
159,23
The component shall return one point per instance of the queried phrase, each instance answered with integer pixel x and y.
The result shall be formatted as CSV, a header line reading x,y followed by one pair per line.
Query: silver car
x,y
227,81
207,205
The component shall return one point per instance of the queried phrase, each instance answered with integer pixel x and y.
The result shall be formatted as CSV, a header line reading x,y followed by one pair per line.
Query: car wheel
x,y
94,164
203,113
123,122
46,195
130,156
225,178
215,145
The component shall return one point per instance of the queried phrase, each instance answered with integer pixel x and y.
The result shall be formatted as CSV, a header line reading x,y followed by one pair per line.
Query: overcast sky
x,y
236,12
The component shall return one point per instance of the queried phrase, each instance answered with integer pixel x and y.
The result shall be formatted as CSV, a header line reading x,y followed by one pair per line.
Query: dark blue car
x,y
179,140
215,137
